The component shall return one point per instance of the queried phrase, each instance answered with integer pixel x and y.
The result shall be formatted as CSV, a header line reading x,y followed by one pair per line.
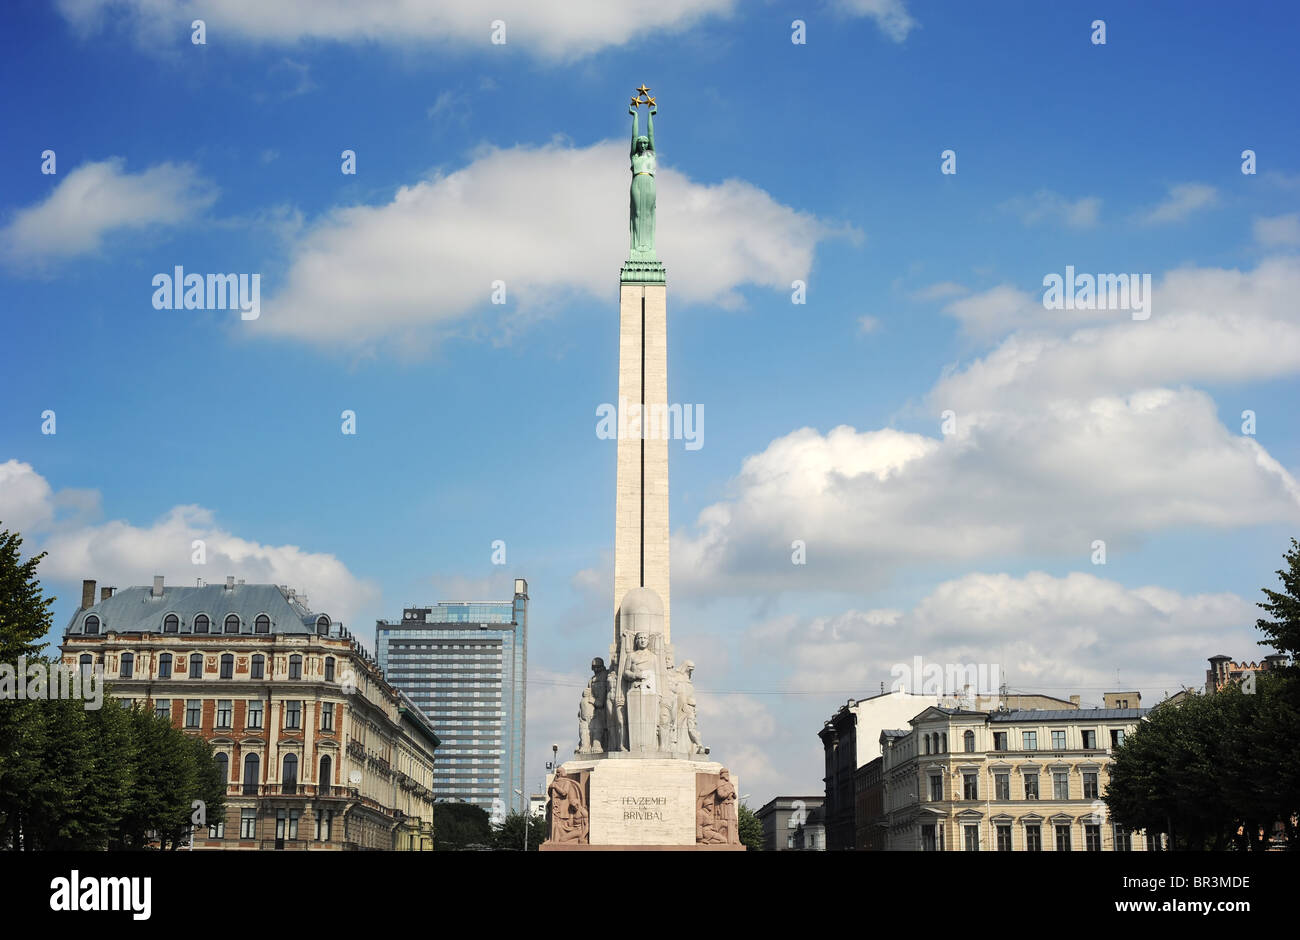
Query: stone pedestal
x,y
647,803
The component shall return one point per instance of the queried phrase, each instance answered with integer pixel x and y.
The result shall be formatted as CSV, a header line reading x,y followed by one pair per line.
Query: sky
x,y
858,228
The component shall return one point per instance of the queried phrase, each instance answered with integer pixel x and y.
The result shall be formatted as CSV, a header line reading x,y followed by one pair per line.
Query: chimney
x,y
230,582
157,586
87,594
106,593
1074,700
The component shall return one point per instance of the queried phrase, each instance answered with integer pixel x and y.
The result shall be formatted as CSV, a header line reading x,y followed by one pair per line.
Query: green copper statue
x,y
641,215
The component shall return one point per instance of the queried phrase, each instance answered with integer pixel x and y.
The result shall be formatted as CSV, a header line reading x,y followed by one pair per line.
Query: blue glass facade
x,y
464,663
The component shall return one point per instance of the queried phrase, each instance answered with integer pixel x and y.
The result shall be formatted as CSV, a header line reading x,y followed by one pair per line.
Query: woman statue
x,y
641,220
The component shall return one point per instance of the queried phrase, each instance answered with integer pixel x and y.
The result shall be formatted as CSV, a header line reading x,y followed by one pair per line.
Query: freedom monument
x,y
640,777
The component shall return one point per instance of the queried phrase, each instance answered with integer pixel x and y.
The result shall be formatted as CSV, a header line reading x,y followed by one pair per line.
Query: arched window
x,y
232,623
171,624
252,767
202,623
968,741
258,667
295,667
222,760
196,665
944,749
289,782
128,665
165,666
262,624
927,743
227,666
326,776
323,625
91,624
329,668
87,665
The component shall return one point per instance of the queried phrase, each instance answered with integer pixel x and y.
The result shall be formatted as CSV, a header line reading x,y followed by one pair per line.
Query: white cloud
x,y
546,221
97,199
1046,205
121,554
940,291
867,324
890,15
1278,230
545,30
1183,199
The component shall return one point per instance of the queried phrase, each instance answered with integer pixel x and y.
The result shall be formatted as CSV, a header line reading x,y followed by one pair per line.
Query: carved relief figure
x,y
599,691
639,666
568,808
686,706
668,705
716,822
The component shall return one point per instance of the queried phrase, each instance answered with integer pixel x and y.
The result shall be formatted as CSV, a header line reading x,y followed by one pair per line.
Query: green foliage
x,y
1283,632
510,834
751,830
461,826
25,615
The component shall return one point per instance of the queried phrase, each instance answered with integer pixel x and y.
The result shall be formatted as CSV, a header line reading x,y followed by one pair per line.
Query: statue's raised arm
x,y
631,109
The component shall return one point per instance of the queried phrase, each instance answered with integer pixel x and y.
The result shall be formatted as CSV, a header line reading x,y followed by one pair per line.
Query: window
x,y
1116,737
325,778
1089,740
196,665
259,667
217,830
327,717
972,834
222,760
252,772
1058,740
293,714
970,786
968,741
232,623
999,740
162,708
1031,786
171,624
165,666
1063,837
224,712
227,666
1004,838
254,719
1060,785
929,842
262,624
295,667
91,624
1090,784
1091,838
329,668
202,623
286,824
247,823
193,709
1002,786
936,788
128,665
1030,740
87,665
1123,840
289,779
324,825
323,625
943,749
1033,838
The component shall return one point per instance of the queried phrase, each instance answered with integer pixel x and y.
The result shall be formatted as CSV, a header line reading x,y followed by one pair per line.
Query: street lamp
x,y
525,801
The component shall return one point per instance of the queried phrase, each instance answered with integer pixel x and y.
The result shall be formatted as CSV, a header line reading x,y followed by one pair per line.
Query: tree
x,y
510,834
210,787
1283,632
25,615
460,826
751,830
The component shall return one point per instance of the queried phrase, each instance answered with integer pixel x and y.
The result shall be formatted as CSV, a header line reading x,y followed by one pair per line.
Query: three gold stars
x,y
642,96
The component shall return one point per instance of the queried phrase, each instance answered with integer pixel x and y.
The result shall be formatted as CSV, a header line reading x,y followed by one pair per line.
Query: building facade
x,y
318,751
792,823
464,663
1023,780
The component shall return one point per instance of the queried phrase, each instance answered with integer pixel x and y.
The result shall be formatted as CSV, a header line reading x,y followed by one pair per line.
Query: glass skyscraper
x,y
464,664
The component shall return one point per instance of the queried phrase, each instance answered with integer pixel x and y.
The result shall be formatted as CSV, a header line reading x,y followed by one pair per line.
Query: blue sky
x,y
779,162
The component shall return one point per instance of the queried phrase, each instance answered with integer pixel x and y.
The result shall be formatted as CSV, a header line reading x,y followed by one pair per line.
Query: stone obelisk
x,y
641,505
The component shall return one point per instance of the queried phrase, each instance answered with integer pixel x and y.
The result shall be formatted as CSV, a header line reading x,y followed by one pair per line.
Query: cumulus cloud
x,y
890,16
545,222
123,554
1182,200
1278,230
97,199
1045,205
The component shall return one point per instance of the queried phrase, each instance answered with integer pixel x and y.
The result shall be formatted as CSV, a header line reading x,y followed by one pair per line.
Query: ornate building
x,y
319,752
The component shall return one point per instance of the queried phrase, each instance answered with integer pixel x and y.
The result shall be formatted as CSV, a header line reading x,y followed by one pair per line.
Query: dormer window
x,y
91,624
202,623
232,623
171,624
262,624
323,625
